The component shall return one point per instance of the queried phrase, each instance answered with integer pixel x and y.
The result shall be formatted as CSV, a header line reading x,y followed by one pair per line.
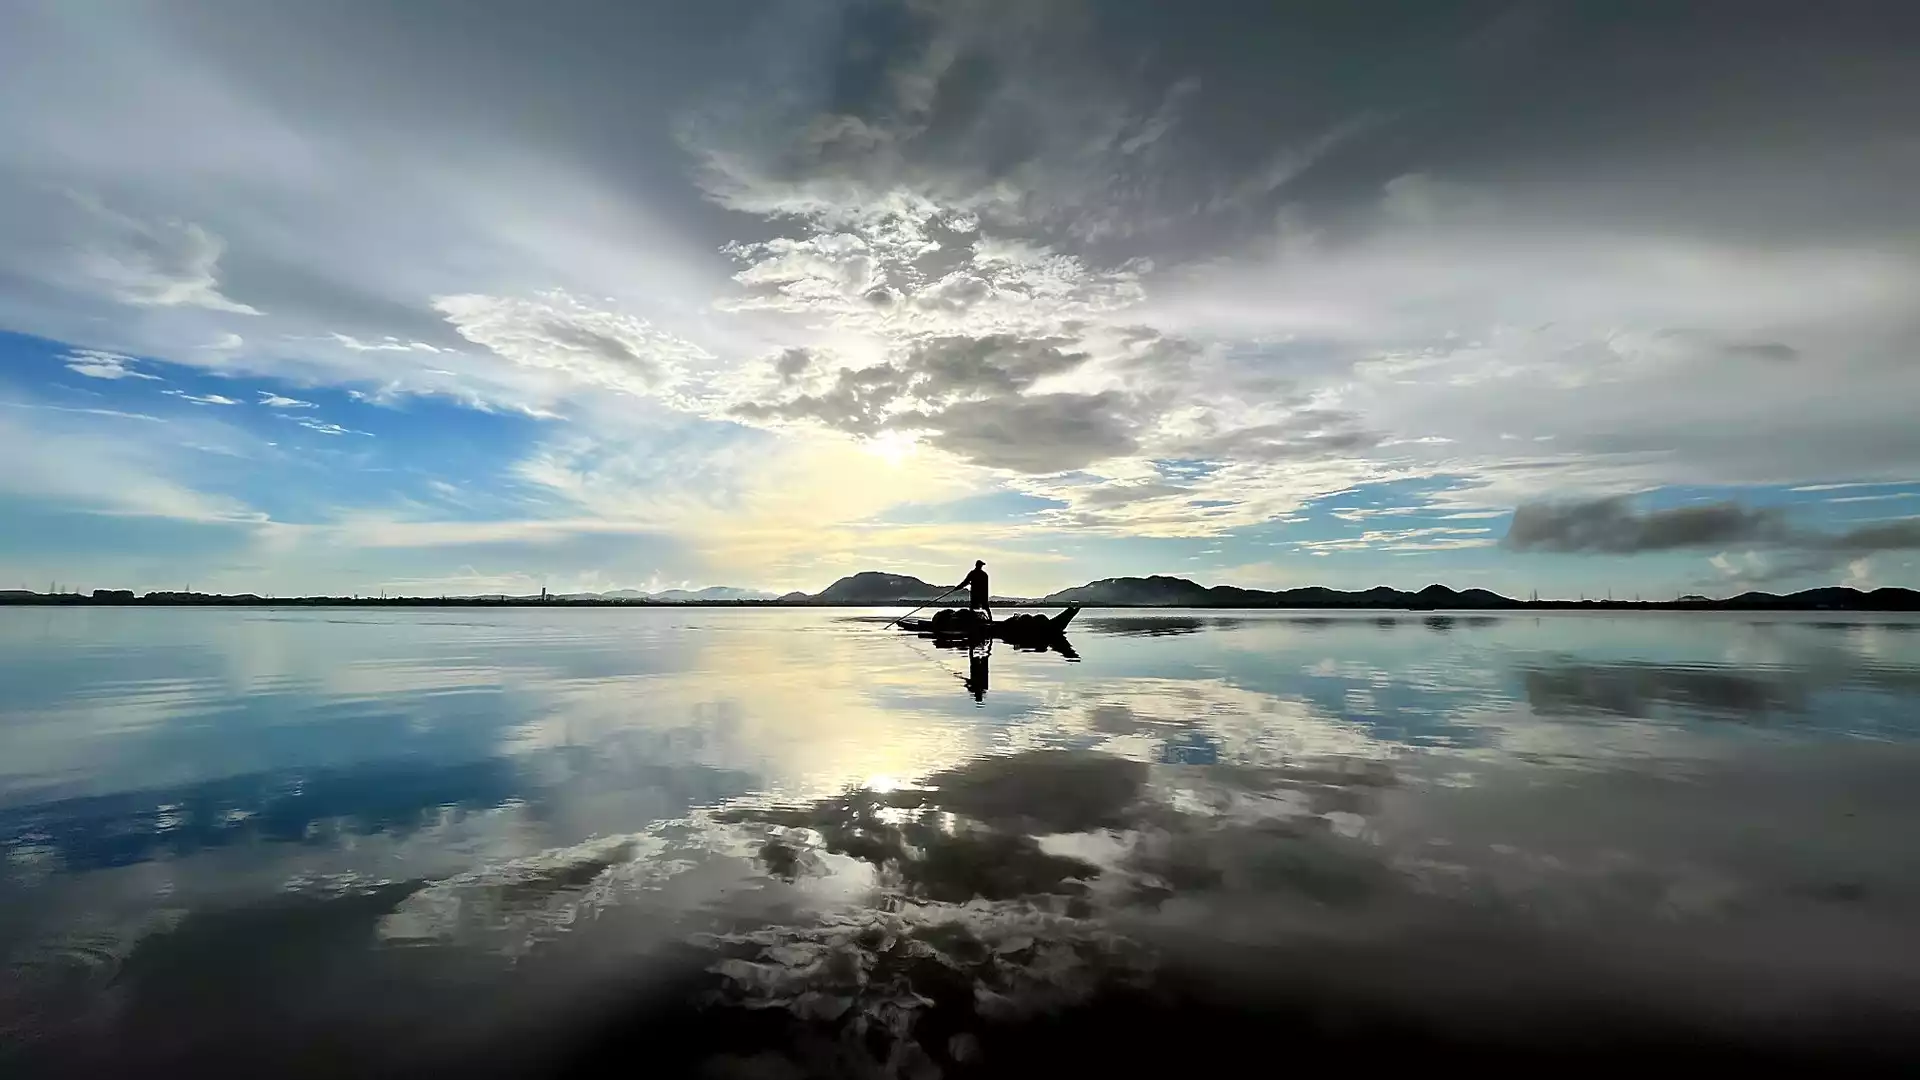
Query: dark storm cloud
x,y
1071,119
1887,536
1613,526
1129,121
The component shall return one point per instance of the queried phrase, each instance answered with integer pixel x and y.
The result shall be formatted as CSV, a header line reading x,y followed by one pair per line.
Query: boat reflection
x,y
979,676
1056,645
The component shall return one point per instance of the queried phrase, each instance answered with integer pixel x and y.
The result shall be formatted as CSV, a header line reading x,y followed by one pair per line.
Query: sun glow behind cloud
x,y
893,447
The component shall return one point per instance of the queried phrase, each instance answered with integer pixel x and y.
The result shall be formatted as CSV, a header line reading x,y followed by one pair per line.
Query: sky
x,y
469,297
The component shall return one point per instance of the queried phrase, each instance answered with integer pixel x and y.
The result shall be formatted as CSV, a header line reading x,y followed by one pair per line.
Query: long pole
x,y
929,603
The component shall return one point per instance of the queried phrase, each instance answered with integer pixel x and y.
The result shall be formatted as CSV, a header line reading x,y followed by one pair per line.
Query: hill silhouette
x,y
1161,591
878,588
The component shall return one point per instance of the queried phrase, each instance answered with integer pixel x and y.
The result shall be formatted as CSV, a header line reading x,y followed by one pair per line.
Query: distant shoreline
x,y
1746,603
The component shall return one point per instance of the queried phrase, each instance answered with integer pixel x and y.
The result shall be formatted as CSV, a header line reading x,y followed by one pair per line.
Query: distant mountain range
x,y
1179,592
875,588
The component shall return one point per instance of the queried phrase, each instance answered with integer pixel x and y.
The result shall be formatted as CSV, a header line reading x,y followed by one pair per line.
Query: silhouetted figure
x,y
980,598
976,679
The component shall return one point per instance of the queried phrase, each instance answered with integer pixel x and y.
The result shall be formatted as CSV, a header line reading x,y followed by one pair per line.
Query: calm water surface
x,y
792,842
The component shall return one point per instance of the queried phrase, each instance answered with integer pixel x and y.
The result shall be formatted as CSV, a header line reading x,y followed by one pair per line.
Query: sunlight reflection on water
x,y
854,826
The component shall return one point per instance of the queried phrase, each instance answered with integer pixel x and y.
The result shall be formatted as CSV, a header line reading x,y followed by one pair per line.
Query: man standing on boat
x,y
980,600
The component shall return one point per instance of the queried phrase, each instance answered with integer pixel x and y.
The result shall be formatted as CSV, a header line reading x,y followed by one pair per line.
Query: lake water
x,y
792,842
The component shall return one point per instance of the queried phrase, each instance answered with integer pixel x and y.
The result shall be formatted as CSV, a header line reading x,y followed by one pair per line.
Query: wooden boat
x,y
1021,629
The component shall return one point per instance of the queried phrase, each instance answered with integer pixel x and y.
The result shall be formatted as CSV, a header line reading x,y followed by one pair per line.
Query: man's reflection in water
x,y
976,679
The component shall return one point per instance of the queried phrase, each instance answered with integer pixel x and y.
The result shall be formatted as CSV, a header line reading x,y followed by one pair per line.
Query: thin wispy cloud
x,y
99,364
202,399
116,413
322,426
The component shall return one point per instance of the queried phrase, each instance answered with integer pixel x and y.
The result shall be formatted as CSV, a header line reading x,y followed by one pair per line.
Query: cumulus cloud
x,y
100,364
792,363
950,367
859,401
909,266
972,397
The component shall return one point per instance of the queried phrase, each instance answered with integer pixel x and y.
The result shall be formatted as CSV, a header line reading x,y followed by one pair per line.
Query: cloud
x,y
321,426
99,364
1881,497
388,344
201,399
156,264
86,460
1613,526
557,334
276,401
905,265
1037,433
1304,433
1434,538
859,401
792,363
1764,350
1901,535
121,413
1423,199
975,397
1860,575
1168,245
953,367
1122,494
1839,486
969,394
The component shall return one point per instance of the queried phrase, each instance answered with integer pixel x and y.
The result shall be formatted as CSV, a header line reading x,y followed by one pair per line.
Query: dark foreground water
x,y
792,843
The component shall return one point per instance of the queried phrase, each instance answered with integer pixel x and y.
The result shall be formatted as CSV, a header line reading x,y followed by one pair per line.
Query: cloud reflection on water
x,y
1271,785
